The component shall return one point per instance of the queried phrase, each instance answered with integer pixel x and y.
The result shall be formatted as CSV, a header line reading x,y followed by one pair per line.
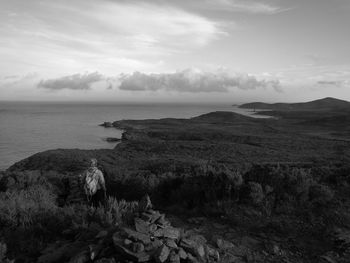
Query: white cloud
x,y
194,81
73,82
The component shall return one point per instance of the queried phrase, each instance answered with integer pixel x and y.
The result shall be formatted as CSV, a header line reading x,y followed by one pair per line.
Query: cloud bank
x,y
194,81
188,80
73,82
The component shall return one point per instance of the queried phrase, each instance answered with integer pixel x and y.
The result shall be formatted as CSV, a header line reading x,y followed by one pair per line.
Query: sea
x,y
27,128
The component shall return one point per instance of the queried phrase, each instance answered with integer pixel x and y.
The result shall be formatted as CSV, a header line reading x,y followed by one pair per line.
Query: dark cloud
x,y
73,82
194,81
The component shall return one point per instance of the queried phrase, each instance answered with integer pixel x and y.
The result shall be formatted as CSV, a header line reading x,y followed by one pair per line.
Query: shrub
x,y
320,194
253,193
22,208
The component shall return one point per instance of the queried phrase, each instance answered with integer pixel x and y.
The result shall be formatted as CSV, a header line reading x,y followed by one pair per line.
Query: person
x,y
95,186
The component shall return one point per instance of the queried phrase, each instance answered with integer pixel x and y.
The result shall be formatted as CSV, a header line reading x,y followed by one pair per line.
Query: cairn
x,y
150,238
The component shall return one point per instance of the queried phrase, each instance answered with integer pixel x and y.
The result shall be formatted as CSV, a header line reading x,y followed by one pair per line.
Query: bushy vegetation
x,y
30,219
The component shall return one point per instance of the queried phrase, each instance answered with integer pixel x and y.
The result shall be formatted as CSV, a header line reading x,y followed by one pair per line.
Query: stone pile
x,y
149,238
152,238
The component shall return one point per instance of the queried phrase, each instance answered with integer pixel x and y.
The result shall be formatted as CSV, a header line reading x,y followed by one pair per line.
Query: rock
x,y
193,248
154,245
213,253
138,247
174,257
191,258
182,254
223,244
198,238
158,233
162,221
127,253
227,257
153,228
150,216
136,236
162,254
171,232
200,252
141,226
171,243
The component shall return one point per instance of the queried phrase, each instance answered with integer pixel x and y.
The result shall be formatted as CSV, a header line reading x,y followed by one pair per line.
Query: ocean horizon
x,y
31,127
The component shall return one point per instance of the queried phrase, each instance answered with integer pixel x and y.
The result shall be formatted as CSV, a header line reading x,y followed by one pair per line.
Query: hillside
x,y
321,104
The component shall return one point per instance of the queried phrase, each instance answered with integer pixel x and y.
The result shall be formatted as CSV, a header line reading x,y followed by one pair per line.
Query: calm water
x,y
28,127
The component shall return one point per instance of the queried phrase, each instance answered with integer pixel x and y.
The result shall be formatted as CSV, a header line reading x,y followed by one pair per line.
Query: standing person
x,y
95,186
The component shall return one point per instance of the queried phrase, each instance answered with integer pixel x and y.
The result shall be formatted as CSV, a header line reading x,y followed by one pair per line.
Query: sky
x,y
217,51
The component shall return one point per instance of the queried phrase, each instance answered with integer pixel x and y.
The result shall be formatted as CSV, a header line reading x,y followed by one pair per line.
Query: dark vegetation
x,y
276,181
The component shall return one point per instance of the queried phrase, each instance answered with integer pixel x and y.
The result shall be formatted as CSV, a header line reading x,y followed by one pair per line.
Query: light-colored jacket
x,y
94,181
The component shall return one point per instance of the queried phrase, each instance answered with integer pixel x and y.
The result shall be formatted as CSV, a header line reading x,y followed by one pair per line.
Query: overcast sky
x,y
174,50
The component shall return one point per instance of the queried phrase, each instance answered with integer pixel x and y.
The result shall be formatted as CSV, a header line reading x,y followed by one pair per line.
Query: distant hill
x,y
321,104
222,117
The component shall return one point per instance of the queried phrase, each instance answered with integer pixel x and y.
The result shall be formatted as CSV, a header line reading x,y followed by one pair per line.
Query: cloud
x,y
245,6
338,83
190,80
13,80
73,82
107,36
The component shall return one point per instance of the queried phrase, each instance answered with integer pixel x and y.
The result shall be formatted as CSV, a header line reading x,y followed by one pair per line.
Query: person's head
x,y
93,162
